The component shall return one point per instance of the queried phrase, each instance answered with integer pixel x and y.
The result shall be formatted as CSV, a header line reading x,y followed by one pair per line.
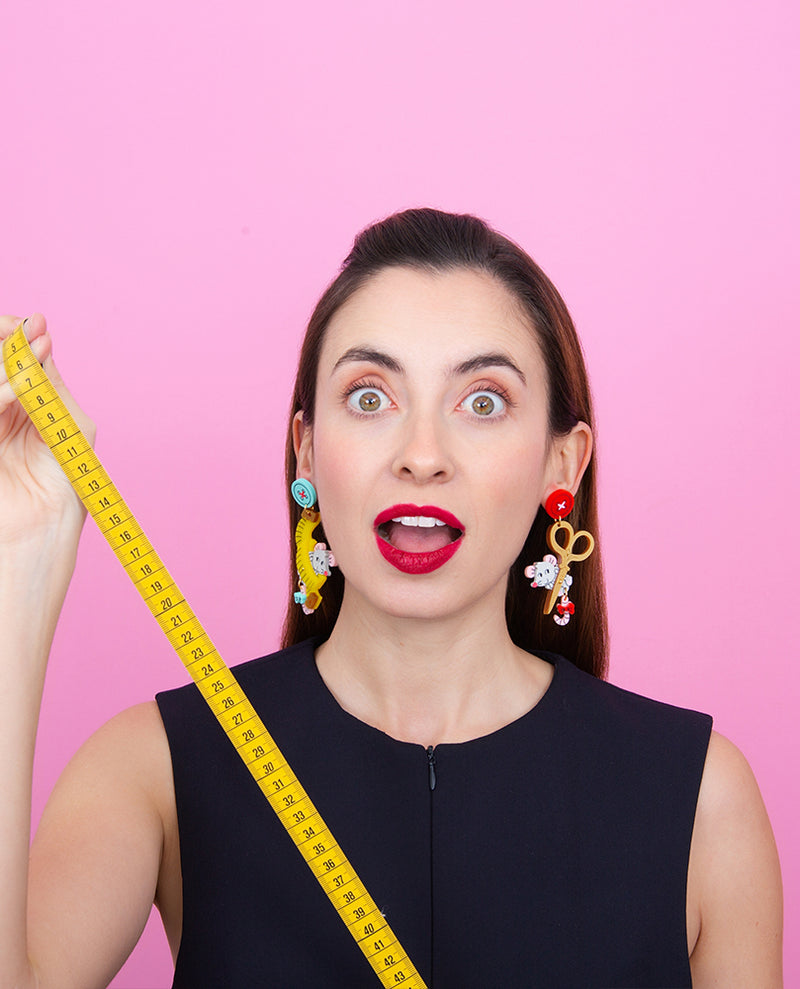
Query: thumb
x,y
35,330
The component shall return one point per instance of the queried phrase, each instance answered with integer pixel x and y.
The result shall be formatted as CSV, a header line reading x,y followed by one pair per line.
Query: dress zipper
x,y
431,786
431,768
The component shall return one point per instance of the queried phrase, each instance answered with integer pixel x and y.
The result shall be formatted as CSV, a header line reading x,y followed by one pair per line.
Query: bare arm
x,y
90,869
734,879
102,854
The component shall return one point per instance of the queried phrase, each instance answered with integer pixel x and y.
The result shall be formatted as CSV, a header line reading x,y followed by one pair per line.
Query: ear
x,y
569,458
302,438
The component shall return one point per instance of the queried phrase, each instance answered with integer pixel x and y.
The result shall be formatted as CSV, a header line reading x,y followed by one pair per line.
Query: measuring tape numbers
x,y
216,682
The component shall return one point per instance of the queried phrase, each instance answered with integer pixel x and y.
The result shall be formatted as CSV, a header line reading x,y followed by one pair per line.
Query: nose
x,y
423,453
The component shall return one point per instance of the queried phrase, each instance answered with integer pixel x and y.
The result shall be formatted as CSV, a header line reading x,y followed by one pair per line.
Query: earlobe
x,y
570,457
302,436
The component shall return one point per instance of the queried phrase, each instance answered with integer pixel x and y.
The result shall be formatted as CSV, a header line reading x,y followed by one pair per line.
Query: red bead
x,y
559,504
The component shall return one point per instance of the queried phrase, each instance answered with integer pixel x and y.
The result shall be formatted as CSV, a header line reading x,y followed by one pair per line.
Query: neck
x,y
430,680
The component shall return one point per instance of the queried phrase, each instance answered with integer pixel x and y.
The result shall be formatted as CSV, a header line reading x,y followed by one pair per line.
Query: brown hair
x,y
430,240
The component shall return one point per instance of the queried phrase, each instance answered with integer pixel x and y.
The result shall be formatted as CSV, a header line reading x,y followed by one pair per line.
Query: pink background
x,y
179,181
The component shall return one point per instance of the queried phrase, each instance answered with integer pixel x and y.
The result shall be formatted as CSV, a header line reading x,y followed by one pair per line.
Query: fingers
x,y
42,346
8,324
35,329
35,326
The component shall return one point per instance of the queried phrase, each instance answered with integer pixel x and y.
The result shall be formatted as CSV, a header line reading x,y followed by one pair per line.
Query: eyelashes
x,y
485,404
366,398
485,401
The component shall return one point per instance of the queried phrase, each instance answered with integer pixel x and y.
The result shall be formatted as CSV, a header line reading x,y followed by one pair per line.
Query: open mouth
x,y
417,539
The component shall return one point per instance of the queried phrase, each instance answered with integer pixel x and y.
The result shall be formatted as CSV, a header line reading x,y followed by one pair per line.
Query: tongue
x,y
417,539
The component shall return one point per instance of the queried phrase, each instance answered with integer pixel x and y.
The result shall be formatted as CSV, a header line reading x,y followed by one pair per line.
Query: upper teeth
x,y
424,521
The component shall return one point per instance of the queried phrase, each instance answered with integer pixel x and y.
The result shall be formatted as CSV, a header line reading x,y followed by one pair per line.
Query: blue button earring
x,y
312,559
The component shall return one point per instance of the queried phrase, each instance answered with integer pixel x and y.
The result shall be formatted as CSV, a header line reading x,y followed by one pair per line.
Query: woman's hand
x,y
37,503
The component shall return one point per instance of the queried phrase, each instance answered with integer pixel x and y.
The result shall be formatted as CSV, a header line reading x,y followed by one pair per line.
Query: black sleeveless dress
x,y
551,853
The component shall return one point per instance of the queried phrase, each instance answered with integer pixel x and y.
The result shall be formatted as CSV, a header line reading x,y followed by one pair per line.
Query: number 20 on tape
x,y
216,682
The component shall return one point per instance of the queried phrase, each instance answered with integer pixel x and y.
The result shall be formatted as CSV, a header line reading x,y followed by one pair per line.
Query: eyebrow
x,y
469,366
369,356
481,361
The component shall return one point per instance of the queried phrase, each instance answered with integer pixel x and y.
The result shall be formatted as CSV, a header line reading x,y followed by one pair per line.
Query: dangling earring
x,y
312,559
552,573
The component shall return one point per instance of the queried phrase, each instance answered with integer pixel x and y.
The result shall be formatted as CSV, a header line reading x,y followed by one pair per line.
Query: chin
x,y
422,601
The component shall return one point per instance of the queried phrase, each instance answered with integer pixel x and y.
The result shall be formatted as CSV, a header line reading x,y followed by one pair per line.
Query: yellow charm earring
x,y
312,559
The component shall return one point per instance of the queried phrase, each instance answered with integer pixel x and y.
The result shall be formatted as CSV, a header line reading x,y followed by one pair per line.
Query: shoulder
x,y
734,877
731,818
269,682
633,719
284,664
639,759
128,757
729,787
284,688
135,734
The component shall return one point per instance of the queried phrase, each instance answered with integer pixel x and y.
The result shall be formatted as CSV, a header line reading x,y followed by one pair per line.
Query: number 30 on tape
x,y
215,681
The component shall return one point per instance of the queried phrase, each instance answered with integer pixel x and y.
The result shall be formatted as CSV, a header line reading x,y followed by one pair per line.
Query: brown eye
x,y
486,404
368,400
483,405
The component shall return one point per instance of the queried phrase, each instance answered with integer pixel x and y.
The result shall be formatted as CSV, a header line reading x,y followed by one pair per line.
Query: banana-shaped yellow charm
x,y
312,559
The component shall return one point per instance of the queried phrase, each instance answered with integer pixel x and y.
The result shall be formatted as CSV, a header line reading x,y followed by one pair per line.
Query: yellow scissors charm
x,y
566,553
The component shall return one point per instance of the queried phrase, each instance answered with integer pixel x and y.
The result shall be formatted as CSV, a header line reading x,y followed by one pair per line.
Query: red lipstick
x,y
417,562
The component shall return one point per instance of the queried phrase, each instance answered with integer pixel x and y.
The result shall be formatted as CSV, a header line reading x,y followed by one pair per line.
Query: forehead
x,y
453,314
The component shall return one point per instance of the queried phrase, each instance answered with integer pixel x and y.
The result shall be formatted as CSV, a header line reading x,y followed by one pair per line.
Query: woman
x,y
519,821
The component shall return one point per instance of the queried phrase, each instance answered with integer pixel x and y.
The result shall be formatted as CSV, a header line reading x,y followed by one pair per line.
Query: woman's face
x,y
431,407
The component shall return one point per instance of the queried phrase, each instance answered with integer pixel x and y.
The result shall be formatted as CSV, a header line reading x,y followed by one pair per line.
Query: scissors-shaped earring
x,y
552,572
313,560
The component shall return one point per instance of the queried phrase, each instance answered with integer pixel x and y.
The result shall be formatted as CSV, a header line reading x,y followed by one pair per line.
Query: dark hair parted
x,y
434,241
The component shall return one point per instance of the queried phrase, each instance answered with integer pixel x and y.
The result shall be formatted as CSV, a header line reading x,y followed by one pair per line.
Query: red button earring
x,y
552,572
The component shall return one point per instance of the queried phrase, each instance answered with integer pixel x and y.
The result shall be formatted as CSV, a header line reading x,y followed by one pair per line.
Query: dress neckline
x,y
548,699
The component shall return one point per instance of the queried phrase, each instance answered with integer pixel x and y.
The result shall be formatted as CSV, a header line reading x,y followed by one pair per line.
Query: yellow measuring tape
x,y
216,682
